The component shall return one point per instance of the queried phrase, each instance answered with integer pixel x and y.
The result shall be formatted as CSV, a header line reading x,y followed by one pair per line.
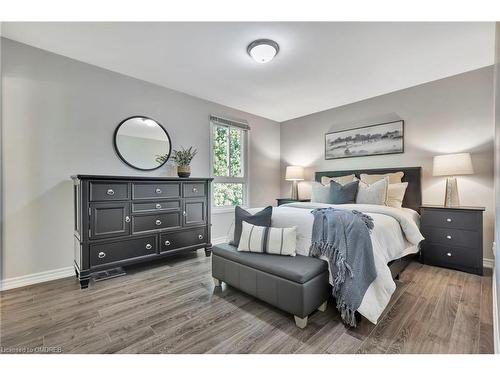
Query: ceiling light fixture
x,y
263,50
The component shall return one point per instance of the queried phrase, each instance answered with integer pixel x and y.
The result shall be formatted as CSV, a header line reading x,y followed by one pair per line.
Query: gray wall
x,y
445,116
497,173
59,117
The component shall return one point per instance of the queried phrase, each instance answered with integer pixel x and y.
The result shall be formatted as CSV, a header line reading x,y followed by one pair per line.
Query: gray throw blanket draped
x,y
344,238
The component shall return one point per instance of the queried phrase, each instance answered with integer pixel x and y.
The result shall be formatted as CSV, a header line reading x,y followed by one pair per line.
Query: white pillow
x,y
396,194
320,193
280,241
375,193
394,178
342,180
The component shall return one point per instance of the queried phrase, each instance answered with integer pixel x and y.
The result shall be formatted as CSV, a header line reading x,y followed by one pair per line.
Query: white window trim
x,y
244,180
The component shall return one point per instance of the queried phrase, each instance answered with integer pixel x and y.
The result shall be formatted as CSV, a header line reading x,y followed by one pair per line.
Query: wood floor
x,y
173,308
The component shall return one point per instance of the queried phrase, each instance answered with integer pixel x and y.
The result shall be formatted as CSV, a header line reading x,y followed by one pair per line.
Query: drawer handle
x,y
158,222
101,254
200,237
158,205
448,254
448,237
167,243
195,190
127,219
110,192
148,246
449,220
184,213
158,191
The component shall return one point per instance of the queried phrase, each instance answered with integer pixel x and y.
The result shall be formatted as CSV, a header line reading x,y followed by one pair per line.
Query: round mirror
x,y
142,143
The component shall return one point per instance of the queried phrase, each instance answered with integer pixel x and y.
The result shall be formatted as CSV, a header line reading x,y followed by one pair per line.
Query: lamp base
x,y
295,190
451,195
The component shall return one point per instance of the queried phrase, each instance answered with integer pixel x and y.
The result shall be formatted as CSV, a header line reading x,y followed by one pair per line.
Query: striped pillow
x,y
279,241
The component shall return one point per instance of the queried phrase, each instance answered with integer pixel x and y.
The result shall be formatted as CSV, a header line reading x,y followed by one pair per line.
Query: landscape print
x,y
376,139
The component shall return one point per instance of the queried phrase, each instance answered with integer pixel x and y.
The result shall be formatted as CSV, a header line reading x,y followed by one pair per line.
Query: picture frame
x,y
377,139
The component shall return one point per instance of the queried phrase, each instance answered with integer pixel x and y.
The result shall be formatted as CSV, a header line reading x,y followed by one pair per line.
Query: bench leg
x,y
216,282
300,322
323,306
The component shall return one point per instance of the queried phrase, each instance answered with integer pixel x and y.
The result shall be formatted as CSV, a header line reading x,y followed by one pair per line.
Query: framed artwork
x,y
378,139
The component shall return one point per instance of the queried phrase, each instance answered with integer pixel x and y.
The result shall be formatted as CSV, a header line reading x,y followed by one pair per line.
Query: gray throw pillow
x,y
343,194
261,219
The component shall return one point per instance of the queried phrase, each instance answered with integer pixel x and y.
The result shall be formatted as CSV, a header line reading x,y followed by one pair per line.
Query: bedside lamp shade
x,y
294,173
452,165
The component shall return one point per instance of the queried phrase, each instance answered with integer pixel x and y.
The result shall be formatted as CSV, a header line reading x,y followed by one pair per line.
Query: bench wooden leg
x,y
216,282
323,306
300,322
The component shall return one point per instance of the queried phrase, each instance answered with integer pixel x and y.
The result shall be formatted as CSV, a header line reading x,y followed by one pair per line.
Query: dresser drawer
x,y
193,189
177,240
451,219
451,237
111,252
156,206
146,223
467,259
156,190
109,191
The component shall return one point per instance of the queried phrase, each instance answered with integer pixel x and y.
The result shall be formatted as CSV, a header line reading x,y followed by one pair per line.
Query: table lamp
x,y
452,165
294,174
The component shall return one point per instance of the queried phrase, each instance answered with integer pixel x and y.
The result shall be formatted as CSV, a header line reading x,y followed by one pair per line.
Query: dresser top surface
x,y
136,178
463,208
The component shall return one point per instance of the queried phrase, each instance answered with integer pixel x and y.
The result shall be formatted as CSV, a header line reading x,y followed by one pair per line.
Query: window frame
x,y
223,179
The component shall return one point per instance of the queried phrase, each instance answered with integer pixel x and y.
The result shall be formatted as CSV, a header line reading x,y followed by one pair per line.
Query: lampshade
x,y
294,173
452,165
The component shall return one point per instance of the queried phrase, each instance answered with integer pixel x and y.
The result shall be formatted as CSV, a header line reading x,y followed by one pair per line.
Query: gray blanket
x,y
344,238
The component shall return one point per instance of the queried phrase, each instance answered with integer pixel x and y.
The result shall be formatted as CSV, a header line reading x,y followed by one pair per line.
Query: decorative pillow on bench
x,y
262,218
279,241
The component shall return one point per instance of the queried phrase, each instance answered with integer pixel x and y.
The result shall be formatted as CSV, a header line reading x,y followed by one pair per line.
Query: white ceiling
x,y
319,66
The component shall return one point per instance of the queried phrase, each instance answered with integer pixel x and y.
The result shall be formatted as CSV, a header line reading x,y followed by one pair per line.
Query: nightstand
x,y
453,237
281,201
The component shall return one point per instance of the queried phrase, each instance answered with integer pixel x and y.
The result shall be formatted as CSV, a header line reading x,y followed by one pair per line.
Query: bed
x,y
395,237
412,200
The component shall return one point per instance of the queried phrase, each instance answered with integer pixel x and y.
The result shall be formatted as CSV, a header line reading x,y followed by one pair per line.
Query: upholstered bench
x,y
298,285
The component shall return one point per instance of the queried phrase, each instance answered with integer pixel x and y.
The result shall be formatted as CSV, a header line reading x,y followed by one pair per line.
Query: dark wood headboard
x,y
412,175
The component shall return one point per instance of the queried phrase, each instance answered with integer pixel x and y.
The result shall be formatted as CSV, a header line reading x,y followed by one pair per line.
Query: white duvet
x,y
395,234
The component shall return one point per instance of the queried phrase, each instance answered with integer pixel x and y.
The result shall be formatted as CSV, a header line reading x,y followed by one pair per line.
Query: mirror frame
x,y
121,156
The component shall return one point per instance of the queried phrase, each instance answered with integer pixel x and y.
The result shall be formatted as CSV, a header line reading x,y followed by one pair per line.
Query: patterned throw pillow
x,y
279,241
375,193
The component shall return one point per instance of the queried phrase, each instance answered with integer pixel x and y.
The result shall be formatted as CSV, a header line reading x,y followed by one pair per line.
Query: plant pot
x,y
184,171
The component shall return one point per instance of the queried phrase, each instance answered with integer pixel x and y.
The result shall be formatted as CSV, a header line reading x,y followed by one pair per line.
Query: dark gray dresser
x,y
121,220
453,237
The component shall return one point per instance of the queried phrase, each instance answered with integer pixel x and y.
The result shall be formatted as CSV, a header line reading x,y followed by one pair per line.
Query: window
x,y
229,162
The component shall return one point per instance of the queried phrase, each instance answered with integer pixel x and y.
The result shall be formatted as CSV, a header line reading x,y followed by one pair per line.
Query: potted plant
x,y
183,160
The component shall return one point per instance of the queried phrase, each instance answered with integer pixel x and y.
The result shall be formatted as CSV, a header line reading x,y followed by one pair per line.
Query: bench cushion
x,y
299,269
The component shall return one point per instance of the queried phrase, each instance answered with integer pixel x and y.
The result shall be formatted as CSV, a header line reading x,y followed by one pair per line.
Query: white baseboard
x,y
219,240
496,332
488,263
35,278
